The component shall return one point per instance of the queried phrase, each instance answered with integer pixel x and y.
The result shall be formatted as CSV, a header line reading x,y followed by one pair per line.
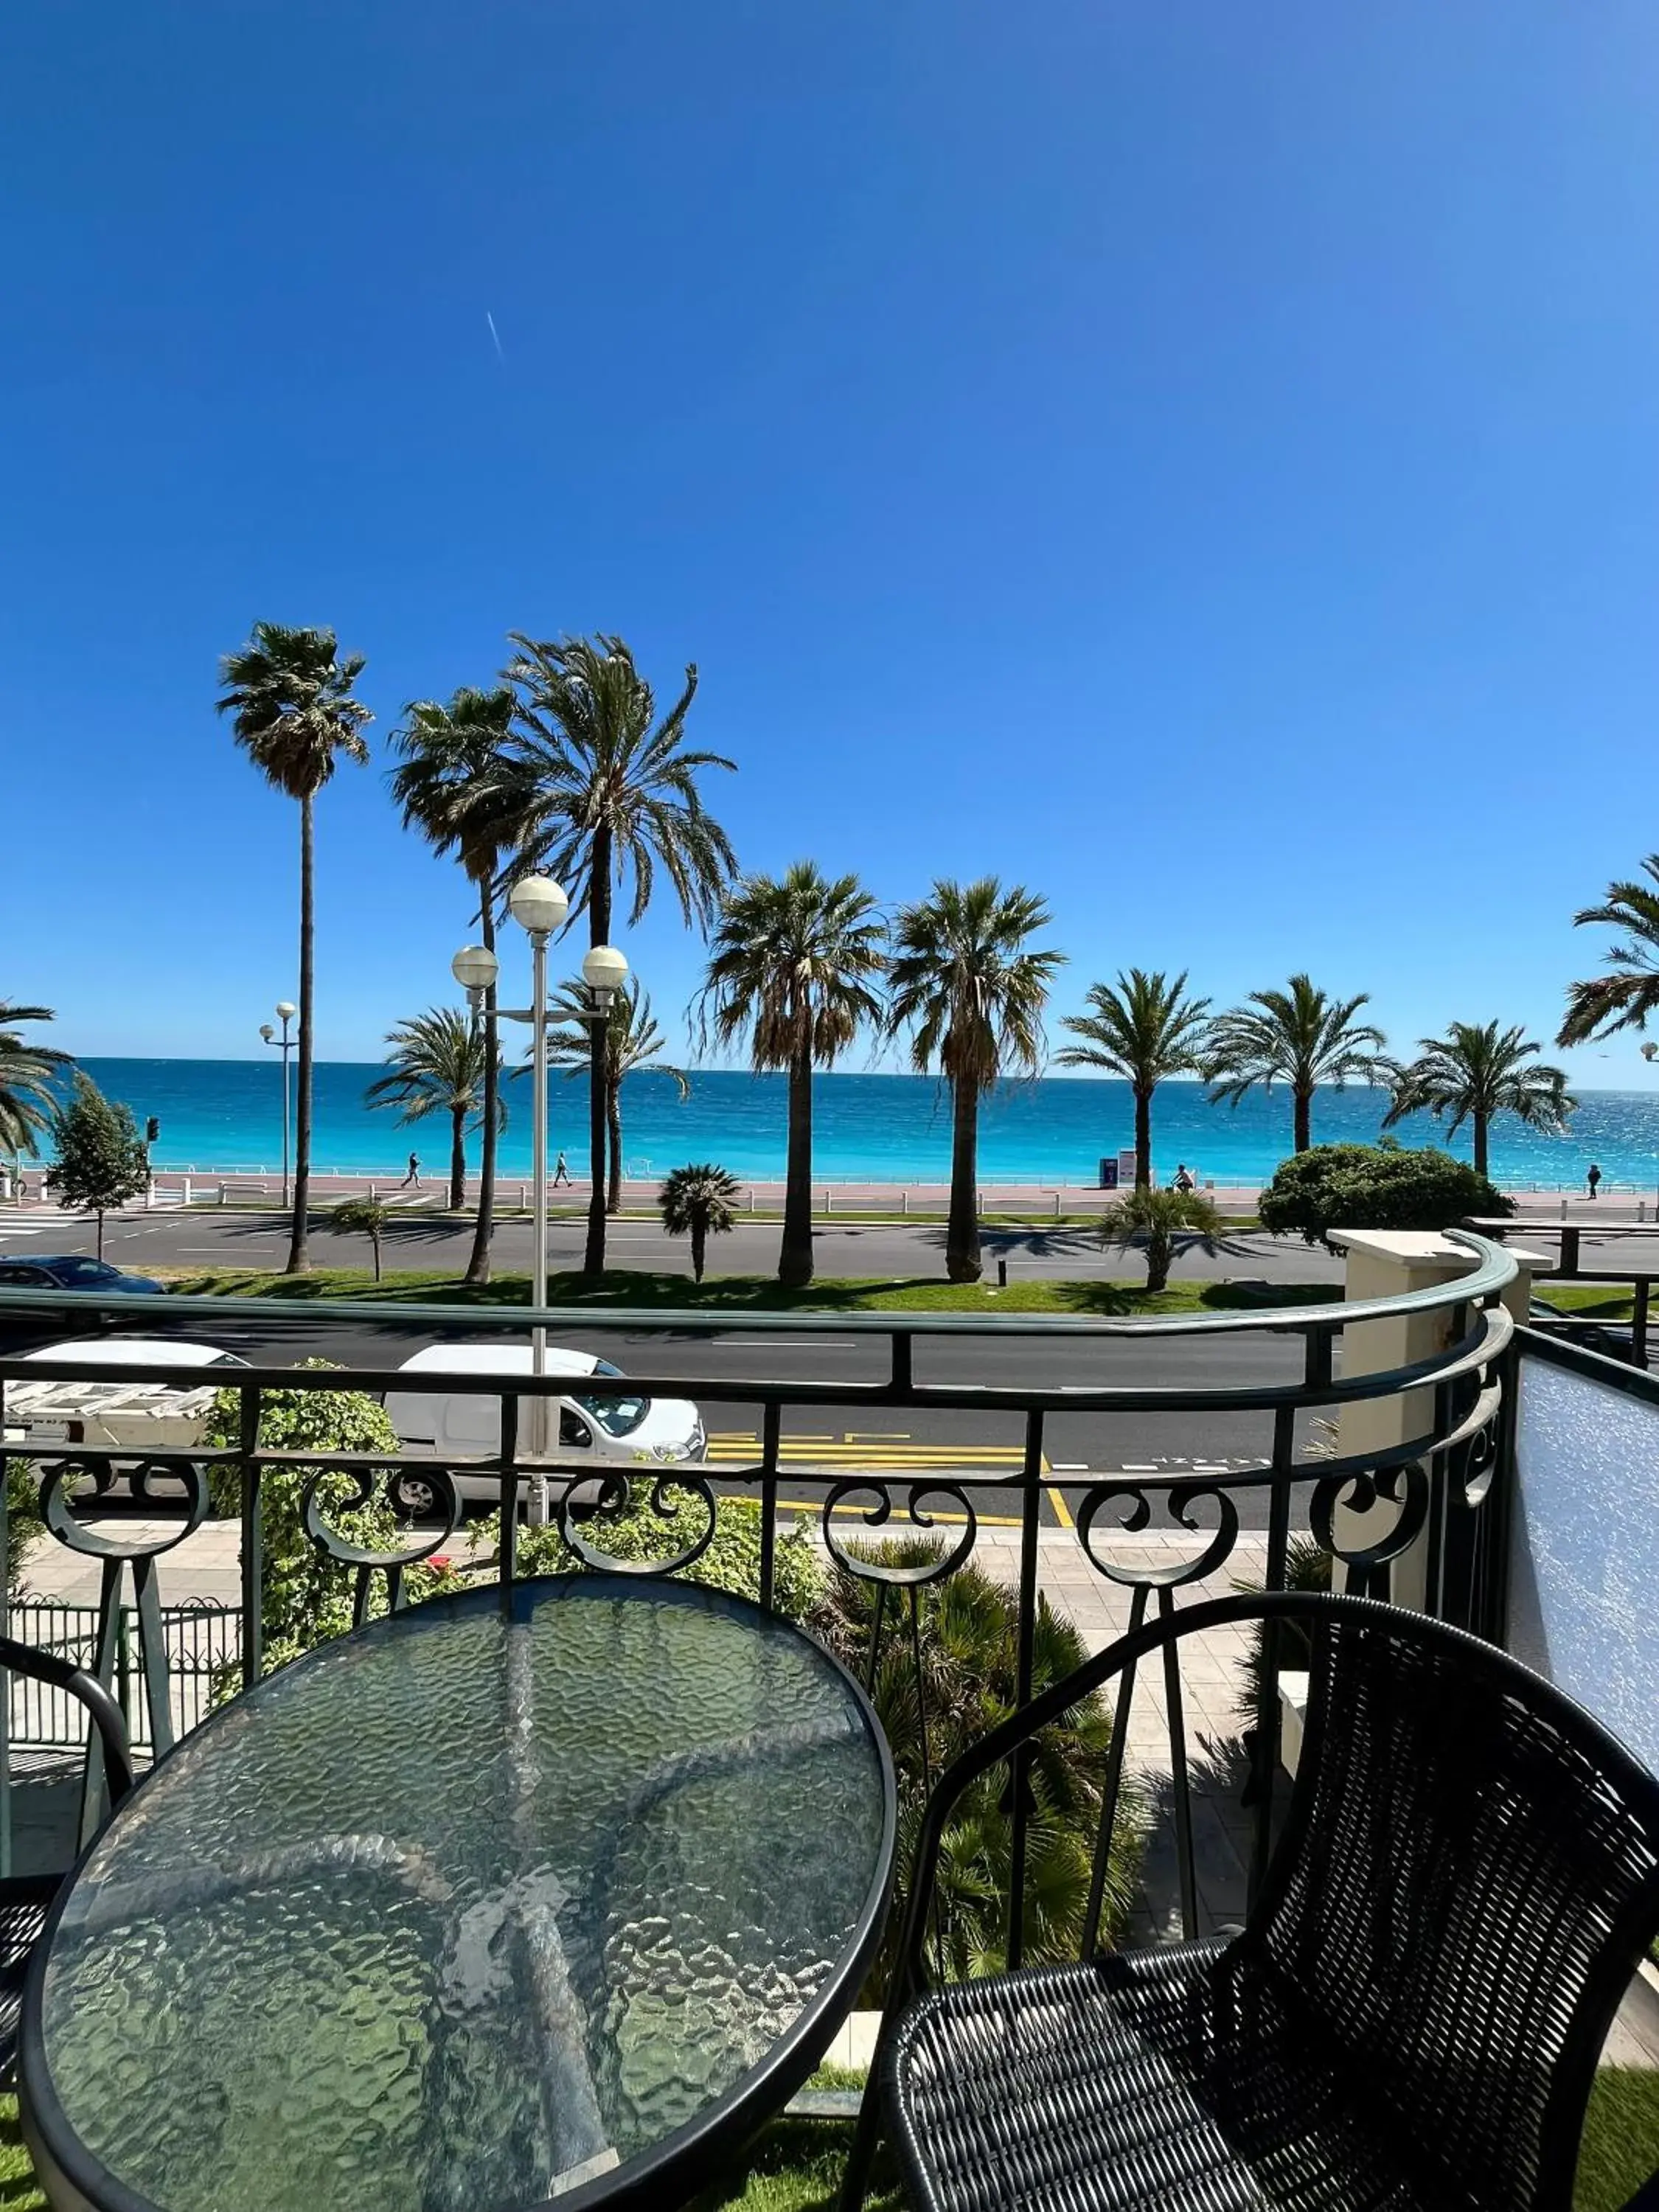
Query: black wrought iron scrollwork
x,y
918,1574
58,1477
1178,1498
364,1481
606,1497
1405,1487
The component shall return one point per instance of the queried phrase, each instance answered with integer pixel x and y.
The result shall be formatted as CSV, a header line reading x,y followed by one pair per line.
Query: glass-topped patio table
x,y
496,1901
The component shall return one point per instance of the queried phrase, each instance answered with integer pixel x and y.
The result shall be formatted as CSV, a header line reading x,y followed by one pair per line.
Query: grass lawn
x,y
751,1293
1596,1301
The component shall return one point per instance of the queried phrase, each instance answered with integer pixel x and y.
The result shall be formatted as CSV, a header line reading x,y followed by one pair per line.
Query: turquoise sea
x,y
226,1113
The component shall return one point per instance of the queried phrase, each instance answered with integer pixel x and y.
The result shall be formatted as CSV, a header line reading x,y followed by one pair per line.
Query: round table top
x,y
469,1910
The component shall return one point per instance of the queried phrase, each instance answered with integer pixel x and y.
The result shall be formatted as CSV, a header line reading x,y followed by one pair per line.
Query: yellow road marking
x,y
1062,1511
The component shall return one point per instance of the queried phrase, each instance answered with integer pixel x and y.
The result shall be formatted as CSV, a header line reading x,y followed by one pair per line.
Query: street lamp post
x,y
539,907
285,1044
603,969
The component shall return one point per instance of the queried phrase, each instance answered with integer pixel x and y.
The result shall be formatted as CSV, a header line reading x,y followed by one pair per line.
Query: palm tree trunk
x,y
299,1257
599,933
962,1260
457,1159
1479,1119
795,1254
478,1268
1143,1140
1158,1255
374,1241
699,1239
1302,1135
613,1120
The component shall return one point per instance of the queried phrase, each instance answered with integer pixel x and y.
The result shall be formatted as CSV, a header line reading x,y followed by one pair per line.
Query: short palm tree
x,y
698,1202
363,1217
460,784
796,965
1142,1028
27,1101
618,797
633,1046
1300,1036
1624,999
1153,1220
969,992
436,1066
288,693
1474,1073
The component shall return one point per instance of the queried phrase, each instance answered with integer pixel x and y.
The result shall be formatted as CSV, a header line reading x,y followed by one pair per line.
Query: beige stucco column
x,y
1384,1263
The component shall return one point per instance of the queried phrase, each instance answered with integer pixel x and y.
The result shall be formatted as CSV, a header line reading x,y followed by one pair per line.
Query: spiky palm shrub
x,y
968,1641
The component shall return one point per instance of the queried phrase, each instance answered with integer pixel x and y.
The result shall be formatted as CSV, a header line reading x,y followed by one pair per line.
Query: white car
x,y
451,1425
123,1412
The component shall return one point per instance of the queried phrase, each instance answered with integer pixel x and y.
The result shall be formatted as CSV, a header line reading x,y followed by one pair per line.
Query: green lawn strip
x,y
1621,2139
1602,1301
749,1293
880,1217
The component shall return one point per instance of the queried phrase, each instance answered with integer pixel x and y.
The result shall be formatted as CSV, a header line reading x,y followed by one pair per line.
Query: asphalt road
x,y
139,1242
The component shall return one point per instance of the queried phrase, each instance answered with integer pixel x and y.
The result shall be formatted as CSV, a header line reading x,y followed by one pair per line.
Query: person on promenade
x,y
561,1172
413,1178
1183,1178
1592,1178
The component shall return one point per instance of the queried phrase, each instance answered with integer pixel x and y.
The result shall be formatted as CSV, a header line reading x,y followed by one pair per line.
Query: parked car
x,y
448,1425
72,1271
125,1413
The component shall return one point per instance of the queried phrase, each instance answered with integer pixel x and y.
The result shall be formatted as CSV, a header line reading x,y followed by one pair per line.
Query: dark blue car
x,y
73,1272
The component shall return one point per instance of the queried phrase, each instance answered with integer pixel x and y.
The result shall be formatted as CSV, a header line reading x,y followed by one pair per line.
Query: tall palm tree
x,y
618,797
796,964
1474,1073
437,1065
461,785
700,1202
970,992
633,1046
1143,1029
1625,999
27,1101
288,693
1298,1037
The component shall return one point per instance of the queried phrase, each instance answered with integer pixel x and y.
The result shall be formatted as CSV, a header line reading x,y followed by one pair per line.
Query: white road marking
x,y
783,1344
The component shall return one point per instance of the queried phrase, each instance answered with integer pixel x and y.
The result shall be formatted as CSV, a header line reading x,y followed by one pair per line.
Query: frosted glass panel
x,y
1584,1567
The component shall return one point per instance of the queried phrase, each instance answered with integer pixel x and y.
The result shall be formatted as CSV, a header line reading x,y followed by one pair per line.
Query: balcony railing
x,y
1446,1480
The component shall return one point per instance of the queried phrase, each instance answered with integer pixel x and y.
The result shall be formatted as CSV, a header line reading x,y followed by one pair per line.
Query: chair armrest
x,y
46,1666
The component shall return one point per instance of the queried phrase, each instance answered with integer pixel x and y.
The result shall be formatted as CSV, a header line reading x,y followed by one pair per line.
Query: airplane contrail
x,y
495,336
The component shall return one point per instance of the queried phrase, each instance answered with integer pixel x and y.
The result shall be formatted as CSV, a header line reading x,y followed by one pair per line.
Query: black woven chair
x,y
25,1899
1467,1877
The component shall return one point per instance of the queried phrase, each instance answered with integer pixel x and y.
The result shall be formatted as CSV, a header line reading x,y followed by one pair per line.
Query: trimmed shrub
x,y
731,1561
1374,1187
307,1595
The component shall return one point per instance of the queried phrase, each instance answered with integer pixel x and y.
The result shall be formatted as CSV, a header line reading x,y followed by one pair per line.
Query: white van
x,y
450,1425
121,1413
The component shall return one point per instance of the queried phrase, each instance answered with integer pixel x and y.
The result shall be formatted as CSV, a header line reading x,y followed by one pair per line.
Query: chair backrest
x,y
1468,1875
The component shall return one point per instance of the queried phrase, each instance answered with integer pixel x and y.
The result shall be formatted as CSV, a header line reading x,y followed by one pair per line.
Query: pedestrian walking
x,y
1594,1179
412,1180
561,1172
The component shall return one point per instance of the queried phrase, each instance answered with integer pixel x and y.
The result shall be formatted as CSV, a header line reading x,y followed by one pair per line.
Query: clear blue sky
x,y
1199,461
